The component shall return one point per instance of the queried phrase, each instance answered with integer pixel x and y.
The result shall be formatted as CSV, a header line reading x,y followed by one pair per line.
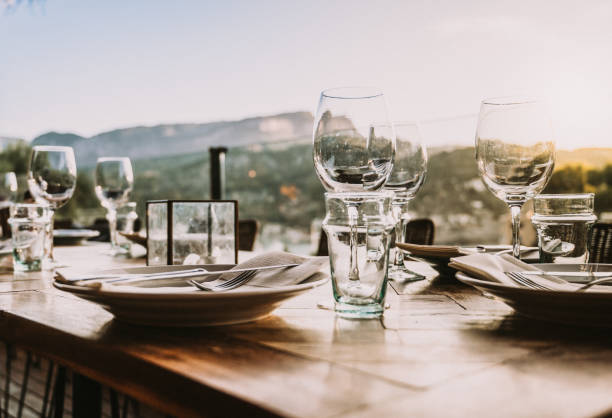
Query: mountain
x,y
174,139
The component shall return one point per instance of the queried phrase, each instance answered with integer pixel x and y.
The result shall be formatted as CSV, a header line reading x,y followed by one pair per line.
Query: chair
x,y
601,243
322,250
420,231
247,233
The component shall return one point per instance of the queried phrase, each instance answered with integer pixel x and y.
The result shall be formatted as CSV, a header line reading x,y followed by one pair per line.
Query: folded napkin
x,y
308,269
493,268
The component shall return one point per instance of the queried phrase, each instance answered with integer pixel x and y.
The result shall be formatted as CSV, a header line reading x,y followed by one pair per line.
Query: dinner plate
x,y
182,305
438,257
590,308
72,236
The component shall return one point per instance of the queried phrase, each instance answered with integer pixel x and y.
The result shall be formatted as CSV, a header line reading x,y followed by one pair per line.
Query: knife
x,y
569,273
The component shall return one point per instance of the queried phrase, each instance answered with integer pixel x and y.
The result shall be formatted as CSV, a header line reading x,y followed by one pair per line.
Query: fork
x,y
221,285
594,282
525,281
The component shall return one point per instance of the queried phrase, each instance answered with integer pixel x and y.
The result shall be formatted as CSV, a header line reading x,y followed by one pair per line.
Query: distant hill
x,y
591,157
174,139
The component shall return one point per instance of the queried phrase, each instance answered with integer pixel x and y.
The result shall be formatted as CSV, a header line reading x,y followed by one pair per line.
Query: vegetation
x,y
276,184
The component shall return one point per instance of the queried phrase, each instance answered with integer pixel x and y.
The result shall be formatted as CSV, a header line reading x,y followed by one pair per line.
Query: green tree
x,y
569,179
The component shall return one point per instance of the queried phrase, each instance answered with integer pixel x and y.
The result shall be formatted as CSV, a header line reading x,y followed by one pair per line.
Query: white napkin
x,y
493,268
308,269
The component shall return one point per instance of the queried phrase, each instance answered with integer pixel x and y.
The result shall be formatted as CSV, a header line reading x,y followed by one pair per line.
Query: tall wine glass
x,y
51,179
114,182
407,177
515,152
8,195
8,189
353,147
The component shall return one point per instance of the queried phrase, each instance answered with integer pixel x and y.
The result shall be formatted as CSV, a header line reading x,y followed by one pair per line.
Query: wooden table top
x,y
442,349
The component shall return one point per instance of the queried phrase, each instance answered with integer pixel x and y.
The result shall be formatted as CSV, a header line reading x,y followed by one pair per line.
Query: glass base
x,y
117,251
402,274
25,267
369,311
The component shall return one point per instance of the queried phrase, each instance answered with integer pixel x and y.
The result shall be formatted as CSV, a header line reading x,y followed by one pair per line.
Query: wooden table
x,y
442,349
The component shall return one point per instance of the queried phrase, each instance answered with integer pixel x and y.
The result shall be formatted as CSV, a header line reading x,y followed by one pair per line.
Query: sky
x,y
87,66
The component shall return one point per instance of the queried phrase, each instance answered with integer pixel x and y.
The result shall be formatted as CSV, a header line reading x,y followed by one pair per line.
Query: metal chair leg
x,y
114,404
24,384
48,383
7,381
59,392
86,397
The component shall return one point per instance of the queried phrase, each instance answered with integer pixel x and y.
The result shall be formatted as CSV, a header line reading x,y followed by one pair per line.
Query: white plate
x,y
590,308
184,305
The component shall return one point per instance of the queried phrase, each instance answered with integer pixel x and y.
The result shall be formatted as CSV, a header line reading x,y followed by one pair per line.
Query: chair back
x,y
247,233
420,231
322,249
601,243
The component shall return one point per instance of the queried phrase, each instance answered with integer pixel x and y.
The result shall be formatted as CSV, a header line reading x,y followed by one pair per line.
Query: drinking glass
x,y
51,179
515,152
114,182
407,177
29,224
364,298
564,223
353,147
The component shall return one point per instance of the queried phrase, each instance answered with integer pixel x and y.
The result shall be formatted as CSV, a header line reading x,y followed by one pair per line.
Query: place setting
x,y
197,295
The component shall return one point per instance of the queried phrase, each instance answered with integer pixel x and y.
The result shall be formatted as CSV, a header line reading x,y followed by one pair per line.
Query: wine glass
x,y
8,195
114,182
515,152
8,189
51,180
407,177
353,147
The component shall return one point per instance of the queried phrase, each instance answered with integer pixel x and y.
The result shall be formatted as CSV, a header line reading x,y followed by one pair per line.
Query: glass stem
x,y
49,237
111,216
353,215
515,212
399,235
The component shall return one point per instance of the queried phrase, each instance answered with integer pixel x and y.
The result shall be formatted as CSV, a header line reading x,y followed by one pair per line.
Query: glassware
x,y
126,218
51,180
353,147
114,182
407,177
29,232
8,195
373,226
515,152
8,189
564,222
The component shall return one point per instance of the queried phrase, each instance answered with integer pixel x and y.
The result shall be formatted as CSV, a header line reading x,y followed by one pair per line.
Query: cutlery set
x,y
215,285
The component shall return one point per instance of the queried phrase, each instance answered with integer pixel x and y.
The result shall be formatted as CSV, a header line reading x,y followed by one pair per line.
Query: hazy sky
x,y
87,66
